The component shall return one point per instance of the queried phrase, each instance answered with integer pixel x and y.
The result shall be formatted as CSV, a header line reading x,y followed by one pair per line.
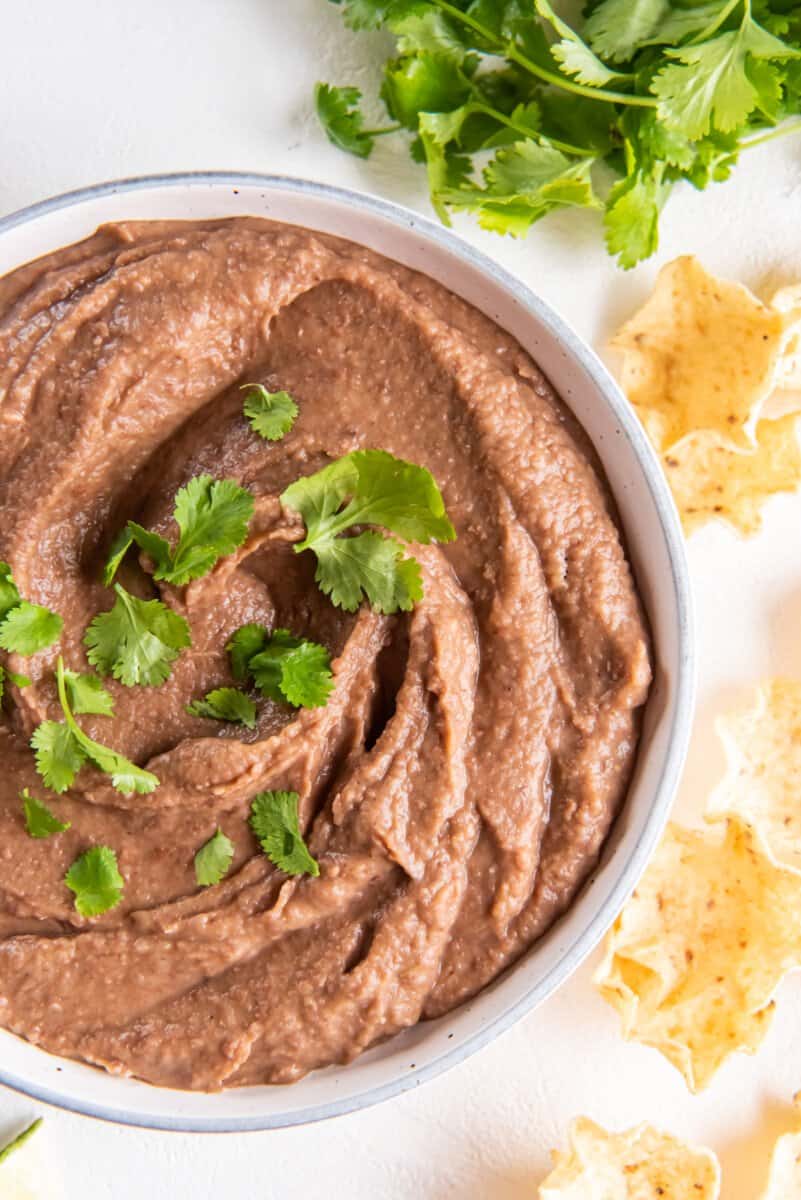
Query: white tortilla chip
x,y
639,1164
762,785
702,354
695,957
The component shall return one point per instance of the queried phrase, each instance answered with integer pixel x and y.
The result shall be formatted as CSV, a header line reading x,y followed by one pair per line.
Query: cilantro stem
x,y
565,147
65,704
380,132
510,51
19,1140
722,16
788,128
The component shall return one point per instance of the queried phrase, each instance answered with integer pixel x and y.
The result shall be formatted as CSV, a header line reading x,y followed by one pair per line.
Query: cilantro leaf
x,y
62,748
95,879
40,822
271,414
9,596
632,216
19,681
29,628
136,641
426,82
59,757
617,29
294,669
573,55
225,704
212,517
366,14
87,694
524,182
426,30
213,860
711,88
274,821
340,116
19,1140
117,551
380,490
247,641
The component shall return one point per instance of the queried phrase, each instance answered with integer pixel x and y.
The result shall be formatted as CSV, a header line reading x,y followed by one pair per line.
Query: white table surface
x,y
99,89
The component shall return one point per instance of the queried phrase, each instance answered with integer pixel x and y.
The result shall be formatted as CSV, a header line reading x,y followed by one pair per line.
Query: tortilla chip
x,y
711,481
784,1176
702,354
693,960
762,784
638,1164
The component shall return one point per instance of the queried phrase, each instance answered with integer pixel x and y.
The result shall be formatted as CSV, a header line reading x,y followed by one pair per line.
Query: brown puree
x,y
459,784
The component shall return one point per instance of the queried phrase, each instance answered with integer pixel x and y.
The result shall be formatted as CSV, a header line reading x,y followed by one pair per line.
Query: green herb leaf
x,y
225,704
59,757
368,487
40,822
9,596
213,860
96,881
712,86
117,551
617,29
293,669
136,641
212,517
339,114
632,216
274,821
87,694
271,414
19,1140
247,641
29,628
572,54
19,681
62,748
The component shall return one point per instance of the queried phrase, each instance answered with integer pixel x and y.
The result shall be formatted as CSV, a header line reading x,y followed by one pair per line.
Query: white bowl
x,y
657,550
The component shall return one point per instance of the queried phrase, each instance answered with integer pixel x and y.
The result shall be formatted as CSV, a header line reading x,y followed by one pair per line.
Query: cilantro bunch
x,y
512,110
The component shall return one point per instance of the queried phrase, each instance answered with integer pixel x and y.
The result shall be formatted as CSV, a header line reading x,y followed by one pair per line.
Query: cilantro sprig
x,y
62,747
25,628
212,516
271,414
369,487
283,667
136,641
274,821
659,91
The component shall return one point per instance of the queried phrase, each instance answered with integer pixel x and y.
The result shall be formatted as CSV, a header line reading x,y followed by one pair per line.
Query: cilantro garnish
x,y
274,821
283,667
19,1140
658,91
19,681
339,114
87,695
96,881
271,414
40,822
212,516
136,641
225,704
62,748
369,487
213,860
25,628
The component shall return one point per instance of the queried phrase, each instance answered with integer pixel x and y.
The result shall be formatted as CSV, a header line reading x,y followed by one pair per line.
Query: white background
x,y
98,89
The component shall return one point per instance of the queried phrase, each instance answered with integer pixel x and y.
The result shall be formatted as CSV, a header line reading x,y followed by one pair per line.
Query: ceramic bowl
x,y
657,551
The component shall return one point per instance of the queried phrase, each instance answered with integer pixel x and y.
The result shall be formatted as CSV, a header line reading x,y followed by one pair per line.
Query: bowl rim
x,y
678,734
